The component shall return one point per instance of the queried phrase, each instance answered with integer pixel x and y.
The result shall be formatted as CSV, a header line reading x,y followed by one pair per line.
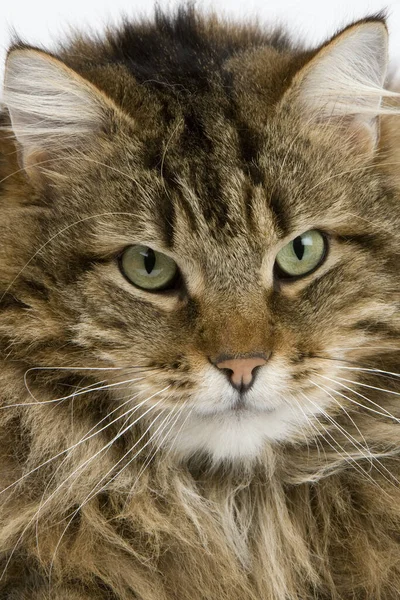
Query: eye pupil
x,y
149,260
298,247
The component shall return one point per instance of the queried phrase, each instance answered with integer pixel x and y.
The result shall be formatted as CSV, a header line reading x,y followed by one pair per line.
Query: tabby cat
x,y
199,319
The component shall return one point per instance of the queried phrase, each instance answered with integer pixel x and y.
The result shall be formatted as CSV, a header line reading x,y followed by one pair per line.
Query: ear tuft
x,y
50,106
345,80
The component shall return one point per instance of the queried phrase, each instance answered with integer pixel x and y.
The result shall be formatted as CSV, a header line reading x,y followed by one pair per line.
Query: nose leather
x,y
241,369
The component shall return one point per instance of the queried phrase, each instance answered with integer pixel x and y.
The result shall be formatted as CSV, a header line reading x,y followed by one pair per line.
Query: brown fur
x,y
213,166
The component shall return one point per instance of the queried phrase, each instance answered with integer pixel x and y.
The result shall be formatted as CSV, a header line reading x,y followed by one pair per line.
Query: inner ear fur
x,y
52,108
343,84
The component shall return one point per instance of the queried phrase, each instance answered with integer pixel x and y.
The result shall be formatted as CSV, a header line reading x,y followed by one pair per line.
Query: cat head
x,y
208,227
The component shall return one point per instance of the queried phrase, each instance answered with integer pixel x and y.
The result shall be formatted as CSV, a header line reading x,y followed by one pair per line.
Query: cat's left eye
x,y
148,269
301,256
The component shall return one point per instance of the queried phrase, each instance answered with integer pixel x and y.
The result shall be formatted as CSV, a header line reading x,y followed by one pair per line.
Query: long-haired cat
x,y
199,324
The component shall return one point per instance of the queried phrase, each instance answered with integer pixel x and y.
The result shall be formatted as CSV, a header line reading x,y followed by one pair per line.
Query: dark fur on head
x,y
208,142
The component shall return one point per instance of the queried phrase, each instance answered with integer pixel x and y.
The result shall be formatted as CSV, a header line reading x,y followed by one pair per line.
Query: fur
x,y
126,471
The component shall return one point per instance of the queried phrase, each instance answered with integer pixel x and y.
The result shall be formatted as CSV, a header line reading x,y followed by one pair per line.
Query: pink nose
x,y
241,369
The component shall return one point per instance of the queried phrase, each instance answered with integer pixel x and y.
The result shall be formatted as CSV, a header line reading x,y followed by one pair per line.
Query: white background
x,y
45,21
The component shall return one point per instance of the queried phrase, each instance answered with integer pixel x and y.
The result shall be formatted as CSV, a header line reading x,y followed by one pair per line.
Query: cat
x,y
199,317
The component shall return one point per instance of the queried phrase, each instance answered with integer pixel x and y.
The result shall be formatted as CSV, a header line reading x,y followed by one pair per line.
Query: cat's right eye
x,y
147,269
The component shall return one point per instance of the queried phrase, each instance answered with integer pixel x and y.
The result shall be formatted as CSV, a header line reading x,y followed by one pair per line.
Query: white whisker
x,y
128,414
366,447
353,459
53,237
81,466
385,412
171,444
96,491
309,421
372,387
374,457
75,394
377,371
83,439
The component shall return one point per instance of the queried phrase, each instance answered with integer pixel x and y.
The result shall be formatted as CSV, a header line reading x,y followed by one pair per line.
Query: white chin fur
x,y
232,436
214,424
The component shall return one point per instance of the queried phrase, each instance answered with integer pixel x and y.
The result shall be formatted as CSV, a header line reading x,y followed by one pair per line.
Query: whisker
x,y
368,347
86,437
83,439
129,413
347,361
334,423
75,394
373,456
173,419
354,462
169,449
386,413
83,465
161,442
366,447
82,391
75,368
375,371
93,493
372,387
180,122
115,170
53,237
355,170
319,434
23,168
88,461
180,411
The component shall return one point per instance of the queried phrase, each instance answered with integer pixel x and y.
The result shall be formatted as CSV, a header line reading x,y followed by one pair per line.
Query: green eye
x,y
302,255
148,269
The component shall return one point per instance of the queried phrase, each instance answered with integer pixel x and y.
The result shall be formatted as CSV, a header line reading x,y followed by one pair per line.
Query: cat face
x,y
227,263
229,301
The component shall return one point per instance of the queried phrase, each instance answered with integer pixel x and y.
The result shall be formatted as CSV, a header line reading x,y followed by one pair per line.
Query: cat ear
x,y
343,83
51,107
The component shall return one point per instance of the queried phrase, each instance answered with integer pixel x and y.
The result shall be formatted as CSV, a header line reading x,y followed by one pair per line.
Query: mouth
x,y
239,406
217,402
243,402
